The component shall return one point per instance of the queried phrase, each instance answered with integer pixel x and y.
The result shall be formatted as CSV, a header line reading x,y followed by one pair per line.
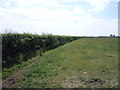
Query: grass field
x,y
87,62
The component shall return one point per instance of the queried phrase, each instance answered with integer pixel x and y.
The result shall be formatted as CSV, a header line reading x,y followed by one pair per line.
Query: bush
x,y
21,47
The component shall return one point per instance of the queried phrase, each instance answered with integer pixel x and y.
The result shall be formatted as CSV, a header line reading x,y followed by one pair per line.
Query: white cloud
x,y
25,3
35,16
98,5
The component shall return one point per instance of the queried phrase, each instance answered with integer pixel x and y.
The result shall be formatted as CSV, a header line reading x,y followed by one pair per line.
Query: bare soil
x,y
12,79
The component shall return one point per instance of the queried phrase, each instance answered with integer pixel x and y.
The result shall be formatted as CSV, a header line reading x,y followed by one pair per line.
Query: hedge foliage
x,y
21,47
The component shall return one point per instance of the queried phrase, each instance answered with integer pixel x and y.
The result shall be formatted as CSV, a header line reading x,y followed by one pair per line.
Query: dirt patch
x,y
72,83
12,80
93,81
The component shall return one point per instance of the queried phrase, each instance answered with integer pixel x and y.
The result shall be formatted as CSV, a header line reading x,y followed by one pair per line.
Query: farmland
x,y
86,62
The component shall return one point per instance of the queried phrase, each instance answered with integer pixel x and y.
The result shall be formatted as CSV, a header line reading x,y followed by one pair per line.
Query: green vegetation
x,y
6,72
87,62
21,47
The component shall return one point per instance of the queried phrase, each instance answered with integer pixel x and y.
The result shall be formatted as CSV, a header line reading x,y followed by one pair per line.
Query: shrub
x,y
21,47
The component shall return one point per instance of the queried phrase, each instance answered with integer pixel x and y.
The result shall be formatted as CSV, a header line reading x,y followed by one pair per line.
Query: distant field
x,y
87,62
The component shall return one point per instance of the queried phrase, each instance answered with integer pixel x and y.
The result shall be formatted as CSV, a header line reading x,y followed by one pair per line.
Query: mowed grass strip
x,y
87,62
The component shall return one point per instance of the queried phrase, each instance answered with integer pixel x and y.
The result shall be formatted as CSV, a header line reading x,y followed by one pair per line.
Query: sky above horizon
x,y
60,17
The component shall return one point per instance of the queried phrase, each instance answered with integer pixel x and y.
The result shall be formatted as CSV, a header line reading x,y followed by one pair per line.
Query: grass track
x,y
87,62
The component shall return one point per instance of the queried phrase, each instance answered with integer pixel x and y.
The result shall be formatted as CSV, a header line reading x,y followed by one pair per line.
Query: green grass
x,y
72,64
6,72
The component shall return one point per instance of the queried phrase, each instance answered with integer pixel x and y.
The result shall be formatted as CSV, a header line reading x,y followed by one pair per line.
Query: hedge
x,y
21,47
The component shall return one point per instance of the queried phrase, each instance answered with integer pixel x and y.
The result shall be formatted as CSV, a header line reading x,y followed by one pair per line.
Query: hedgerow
x,y
21,47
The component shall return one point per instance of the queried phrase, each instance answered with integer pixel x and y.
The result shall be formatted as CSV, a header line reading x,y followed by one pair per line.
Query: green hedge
x,y
21,47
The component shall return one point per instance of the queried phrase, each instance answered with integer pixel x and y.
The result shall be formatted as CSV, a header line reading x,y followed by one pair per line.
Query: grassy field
x,y
87,62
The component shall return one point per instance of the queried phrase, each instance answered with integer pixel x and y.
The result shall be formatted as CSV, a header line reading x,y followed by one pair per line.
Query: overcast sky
x,y
60,17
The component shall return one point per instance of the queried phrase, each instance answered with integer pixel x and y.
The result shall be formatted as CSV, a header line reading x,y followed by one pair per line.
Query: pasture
x,y
83,63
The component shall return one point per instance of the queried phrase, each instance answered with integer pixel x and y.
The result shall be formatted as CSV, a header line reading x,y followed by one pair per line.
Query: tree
x,y
111,35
